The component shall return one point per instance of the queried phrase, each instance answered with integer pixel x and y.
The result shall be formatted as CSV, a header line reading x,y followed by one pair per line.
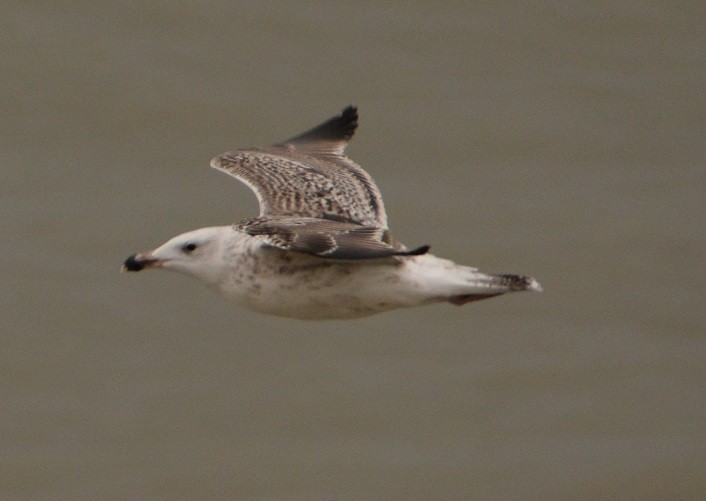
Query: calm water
x,y
565,143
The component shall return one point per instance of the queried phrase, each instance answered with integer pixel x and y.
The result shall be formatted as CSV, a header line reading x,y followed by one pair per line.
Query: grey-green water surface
x,y
560,140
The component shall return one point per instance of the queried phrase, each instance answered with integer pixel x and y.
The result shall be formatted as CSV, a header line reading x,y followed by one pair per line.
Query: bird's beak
x,y
138,262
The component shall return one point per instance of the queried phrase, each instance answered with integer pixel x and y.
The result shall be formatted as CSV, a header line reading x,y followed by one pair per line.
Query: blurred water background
x,y
560,140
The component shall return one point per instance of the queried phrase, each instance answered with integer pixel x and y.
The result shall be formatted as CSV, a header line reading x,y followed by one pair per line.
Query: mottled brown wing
x,y
324,238
308,175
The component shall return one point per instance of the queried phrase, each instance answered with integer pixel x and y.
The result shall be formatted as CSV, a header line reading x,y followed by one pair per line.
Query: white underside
x,y
313,288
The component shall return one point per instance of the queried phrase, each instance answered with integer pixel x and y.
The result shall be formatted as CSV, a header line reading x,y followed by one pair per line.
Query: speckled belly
x,y
294,285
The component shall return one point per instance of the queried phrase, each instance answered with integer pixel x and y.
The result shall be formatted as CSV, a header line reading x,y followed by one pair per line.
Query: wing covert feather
x,y
326,238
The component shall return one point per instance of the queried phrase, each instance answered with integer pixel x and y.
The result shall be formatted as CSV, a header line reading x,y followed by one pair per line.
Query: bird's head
x,y
197,253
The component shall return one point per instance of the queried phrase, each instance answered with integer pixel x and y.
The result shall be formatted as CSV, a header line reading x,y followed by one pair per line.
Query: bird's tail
x,y
445,280
494,285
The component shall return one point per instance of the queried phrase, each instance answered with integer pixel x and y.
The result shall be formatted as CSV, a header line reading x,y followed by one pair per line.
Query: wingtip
x,y
423,249
350,113
339,128
348,120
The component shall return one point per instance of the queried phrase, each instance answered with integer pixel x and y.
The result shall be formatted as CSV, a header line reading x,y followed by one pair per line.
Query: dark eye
x,y
190,247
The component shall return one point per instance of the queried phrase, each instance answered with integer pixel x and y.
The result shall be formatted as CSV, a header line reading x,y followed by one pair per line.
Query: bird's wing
x,y
326,238
309,175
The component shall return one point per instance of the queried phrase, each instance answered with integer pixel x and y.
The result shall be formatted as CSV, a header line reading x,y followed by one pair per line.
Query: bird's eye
x,y
190,247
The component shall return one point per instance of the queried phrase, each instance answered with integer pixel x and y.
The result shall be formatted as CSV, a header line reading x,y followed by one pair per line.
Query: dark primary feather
x,y
308,175
331,136
326,238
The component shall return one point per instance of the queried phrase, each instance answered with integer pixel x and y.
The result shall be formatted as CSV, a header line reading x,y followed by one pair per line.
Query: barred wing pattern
x,y
313,199
308,175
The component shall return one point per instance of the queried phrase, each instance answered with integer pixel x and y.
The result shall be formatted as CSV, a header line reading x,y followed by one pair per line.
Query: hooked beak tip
x,y
138,262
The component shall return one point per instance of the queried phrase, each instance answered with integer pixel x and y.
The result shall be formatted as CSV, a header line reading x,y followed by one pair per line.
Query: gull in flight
x,y
320,248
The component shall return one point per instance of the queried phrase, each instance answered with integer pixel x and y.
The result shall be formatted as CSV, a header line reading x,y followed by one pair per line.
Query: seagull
x,y
321,247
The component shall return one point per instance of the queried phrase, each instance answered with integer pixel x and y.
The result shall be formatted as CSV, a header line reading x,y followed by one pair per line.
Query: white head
x,y
197,253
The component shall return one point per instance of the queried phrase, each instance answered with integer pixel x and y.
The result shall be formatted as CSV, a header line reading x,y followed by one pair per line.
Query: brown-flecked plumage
x,y
320,247
314,199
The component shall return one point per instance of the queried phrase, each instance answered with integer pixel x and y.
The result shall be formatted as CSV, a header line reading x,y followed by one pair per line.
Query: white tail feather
x,y
445,280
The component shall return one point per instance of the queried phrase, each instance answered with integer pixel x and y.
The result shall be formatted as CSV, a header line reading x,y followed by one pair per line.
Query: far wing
x,y
309,175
